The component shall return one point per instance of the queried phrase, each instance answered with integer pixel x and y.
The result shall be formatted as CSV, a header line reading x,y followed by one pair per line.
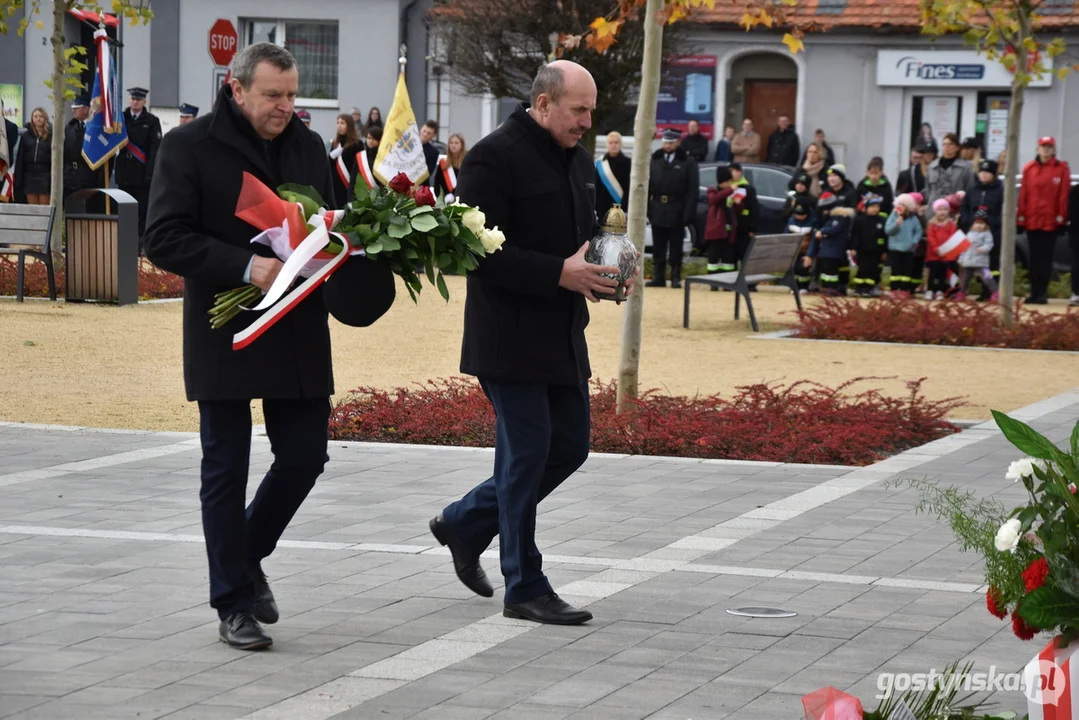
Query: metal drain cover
x,y
761,612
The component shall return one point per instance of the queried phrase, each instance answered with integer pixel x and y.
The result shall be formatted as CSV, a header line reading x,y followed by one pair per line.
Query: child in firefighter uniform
x,y
869,245
720,230
830,244
802,222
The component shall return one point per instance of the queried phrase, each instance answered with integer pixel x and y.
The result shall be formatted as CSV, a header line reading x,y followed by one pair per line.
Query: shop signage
x,y
944,68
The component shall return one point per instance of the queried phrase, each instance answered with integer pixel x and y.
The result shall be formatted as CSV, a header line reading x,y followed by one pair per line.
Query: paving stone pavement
x,y
103,585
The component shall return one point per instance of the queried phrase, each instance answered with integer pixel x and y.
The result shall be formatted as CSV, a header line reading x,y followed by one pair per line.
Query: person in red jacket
x,y
1043,211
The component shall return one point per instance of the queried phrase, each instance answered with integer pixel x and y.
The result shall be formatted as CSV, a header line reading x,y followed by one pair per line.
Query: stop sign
x,y
224,42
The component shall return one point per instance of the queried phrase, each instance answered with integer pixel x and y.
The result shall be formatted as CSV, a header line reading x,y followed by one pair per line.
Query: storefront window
x,y
314,44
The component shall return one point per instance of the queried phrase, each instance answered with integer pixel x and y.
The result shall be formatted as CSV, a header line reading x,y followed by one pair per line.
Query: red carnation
x,y
401,183
1020,628
1034,576
993,601
424,196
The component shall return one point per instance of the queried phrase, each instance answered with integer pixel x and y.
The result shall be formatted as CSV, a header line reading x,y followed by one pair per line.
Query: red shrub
x,y
937,323
801,422
153,281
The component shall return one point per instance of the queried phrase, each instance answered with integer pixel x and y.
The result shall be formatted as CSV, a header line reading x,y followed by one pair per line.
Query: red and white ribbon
x,y
298,262
449,175
1051,683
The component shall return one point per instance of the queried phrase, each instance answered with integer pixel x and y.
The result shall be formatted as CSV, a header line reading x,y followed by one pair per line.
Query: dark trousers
x,y
237,539
828,273
541,438
716,251
1042,243
902,265
1075,262
869,267
938,275
667,242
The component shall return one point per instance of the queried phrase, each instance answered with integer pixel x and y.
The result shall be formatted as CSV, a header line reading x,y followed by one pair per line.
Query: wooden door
x,y
766,100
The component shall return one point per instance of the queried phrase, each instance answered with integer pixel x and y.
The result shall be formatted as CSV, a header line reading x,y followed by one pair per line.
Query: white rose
x,y
492,239
474,220
1021,469
1008,536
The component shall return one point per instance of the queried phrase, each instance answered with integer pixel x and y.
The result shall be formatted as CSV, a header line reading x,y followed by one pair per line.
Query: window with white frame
x,y
314,45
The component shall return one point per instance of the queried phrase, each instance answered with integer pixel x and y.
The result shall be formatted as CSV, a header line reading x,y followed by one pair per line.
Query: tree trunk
x,y
644,129
1010,169
59,64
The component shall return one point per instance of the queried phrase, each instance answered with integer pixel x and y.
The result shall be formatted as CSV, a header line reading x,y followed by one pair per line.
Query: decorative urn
x,y
613,247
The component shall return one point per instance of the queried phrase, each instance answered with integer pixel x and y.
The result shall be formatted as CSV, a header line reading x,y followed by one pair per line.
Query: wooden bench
x,y
29,229
768,259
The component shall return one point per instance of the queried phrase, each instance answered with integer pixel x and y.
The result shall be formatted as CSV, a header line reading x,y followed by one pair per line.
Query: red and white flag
x,y
954,246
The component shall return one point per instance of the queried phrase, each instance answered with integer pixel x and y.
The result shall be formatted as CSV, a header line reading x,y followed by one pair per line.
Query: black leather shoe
x,y
466,565
241,631
265,607
549,609
1040,300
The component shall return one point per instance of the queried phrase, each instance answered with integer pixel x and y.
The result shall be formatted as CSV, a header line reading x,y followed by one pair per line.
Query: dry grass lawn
x,y
105,366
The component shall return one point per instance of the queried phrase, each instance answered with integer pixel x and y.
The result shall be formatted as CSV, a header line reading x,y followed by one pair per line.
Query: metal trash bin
x,y
102,251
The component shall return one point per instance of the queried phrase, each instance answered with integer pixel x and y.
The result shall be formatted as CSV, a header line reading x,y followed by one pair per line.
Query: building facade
x,y
347,53
870,80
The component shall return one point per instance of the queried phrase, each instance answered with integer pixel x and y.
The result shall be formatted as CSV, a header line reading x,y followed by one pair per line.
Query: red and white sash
x,y
365,169
449,175
339,165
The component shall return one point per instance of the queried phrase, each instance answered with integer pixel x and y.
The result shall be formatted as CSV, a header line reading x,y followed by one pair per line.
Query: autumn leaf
x,y
570,42
795,45
747,21
1063,73
677,12
764,18
603,34
40,25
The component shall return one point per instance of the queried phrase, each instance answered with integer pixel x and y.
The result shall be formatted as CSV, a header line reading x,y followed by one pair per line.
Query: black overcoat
x,y
673,190
192,230
144,133
520,325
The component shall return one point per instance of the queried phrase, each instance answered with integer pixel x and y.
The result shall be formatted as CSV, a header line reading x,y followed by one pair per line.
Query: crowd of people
x,y
937,228
351,154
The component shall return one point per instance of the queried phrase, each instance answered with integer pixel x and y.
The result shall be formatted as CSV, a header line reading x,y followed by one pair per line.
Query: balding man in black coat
x,y
525,316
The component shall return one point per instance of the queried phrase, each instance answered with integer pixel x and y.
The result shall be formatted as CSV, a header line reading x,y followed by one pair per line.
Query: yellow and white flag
x,y
400,150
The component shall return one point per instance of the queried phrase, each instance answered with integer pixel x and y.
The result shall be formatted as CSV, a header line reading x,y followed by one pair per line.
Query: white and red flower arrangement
x,y
404,226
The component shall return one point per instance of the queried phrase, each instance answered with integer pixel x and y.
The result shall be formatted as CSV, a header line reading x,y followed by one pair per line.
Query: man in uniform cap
x,y
135,163
188,112
672,204
77,174
304,116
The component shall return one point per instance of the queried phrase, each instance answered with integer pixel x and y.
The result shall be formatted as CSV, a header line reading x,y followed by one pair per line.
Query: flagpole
x,y
108,200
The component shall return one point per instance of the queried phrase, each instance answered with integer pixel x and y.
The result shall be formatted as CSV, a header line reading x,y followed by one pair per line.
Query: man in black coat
x,y
612,175
77,174
695,144
987,194
135,163
193,231
673,191
430,153
783,144
525,317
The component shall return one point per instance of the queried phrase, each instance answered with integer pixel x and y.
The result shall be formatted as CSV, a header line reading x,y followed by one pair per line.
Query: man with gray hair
x,y
525,315
192,230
